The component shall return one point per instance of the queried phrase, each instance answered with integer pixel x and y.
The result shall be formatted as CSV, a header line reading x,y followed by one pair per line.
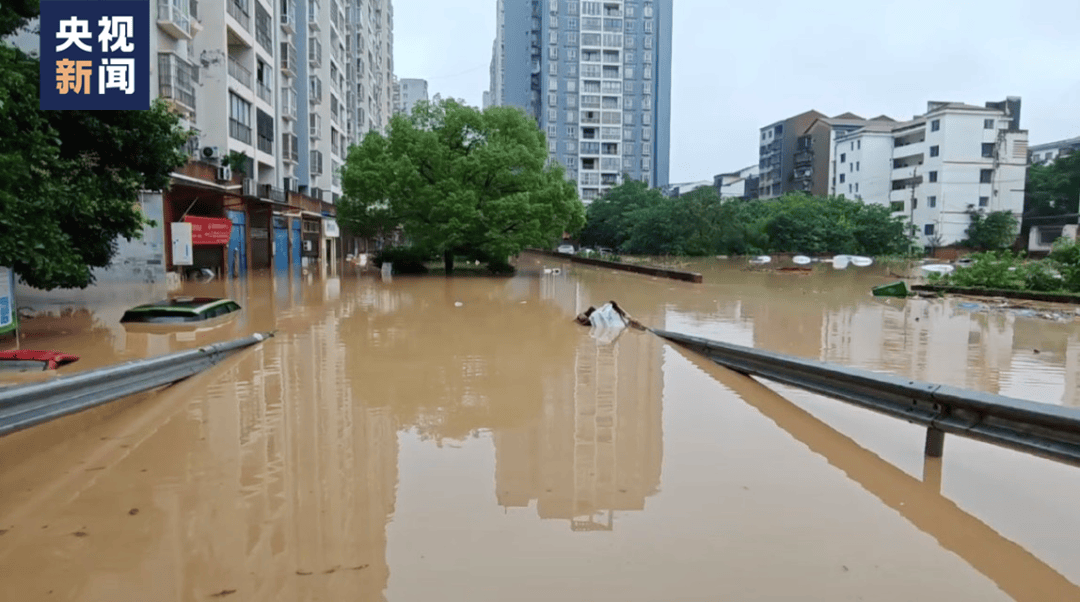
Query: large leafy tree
x,y
993,231
1054,188
460,181
69,180
609,218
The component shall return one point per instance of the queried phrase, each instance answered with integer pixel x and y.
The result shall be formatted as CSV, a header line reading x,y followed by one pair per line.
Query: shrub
x,y
406,260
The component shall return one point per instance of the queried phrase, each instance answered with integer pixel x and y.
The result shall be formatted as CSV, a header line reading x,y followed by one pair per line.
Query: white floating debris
x,y
801,259
841,261
940,268
760,259
458,304
860,261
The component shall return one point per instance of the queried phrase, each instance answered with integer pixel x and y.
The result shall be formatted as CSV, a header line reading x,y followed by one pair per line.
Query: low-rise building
x,y
741,184
939,167
1046,153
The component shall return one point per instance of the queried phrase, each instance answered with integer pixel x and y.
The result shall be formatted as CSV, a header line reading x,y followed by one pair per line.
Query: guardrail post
x,y
935,442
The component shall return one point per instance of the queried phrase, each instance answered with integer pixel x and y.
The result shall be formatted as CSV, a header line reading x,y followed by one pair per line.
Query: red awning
x,y
209,230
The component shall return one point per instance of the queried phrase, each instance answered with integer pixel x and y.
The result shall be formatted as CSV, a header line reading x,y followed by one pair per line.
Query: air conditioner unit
x,y
223,173
211,153
308,245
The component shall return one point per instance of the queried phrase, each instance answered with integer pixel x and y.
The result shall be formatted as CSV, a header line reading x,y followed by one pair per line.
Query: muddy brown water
x,y
463,439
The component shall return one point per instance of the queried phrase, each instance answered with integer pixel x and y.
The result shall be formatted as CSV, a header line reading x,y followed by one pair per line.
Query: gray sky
x,y
738,66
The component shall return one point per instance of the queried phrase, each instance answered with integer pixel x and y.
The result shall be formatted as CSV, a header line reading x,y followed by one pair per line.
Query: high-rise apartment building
x,y
408,92
596,76
291,83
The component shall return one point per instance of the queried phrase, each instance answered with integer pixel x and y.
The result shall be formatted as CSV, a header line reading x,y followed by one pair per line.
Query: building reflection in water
x,y
597,445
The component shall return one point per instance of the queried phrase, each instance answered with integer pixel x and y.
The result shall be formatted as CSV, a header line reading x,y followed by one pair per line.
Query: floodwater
x,y
463,439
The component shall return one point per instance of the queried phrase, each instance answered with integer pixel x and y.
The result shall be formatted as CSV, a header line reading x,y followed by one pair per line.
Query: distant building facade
x,y
408,92
596,76
740,184
939,167
1047,153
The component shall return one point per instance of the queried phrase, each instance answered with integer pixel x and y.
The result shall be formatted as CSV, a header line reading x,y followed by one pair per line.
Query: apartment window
x,y
239,118
933,176
552,146
843,157
628,118
553,68
984,201
986,176
853,145
858,144
928,229
553,100
646,148
646,119
628,133
931,201
648,26
628,73
856,166
843,178
648,9
988,150
856,187
646,134
935,125
849,188
935,151
988,124
571,131
914,204
896,206
851,167
553,114
552,130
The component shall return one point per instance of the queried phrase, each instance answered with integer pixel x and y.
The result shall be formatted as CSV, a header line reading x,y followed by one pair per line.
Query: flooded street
x,y
462,439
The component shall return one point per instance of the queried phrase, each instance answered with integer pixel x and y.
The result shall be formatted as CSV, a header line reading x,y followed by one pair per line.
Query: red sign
x,y
209,230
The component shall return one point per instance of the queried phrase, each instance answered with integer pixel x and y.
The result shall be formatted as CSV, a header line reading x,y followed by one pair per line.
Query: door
x,y
296,245
236,262
281,244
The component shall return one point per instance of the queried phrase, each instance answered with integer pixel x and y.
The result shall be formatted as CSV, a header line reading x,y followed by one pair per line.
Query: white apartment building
x,y
291,84
938,167
408,92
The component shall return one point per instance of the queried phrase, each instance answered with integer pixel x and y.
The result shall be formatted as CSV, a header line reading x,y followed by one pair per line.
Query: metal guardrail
x,y
25,406
1045,430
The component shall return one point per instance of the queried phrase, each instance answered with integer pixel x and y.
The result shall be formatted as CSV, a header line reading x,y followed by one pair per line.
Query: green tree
x,y
608,219
993,231
69,180
460,181
1054,188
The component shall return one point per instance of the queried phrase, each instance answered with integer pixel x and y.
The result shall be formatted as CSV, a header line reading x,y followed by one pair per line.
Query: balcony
x,y
238,9
804,157
314,54
266,145
313,16
239,131
173,18
288,19
288,59
272,193
176,82
288,103
265,92
290,148
239,72
906,172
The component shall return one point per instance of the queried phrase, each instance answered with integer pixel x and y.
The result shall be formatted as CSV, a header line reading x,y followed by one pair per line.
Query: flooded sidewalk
x,y
463,439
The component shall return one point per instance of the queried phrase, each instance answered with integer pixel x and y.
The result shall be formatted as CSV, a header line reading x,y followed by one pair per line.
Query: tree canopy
x,y
1054,188
993,231
69,180
460,181
635,219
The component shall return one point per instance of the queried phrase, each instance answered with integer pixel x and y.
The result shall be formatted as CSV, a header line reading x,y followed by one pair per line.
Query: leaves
x,y
460,180
635,219
69,180
994,231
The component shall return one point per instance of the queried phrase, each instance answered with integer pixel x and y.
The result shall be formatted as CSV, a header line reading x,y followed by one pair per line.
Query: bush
x,y
1065,258
406,260
501,268
990,270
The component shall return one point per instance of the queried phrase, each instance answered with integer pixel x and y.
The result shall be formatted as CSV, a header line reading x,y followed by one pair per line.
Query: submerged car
x,y
568,249
180,310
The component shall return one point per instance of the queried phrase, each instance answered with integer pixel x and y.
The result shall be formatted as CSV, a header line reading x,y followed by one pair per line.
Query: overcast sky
x,y
738,66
